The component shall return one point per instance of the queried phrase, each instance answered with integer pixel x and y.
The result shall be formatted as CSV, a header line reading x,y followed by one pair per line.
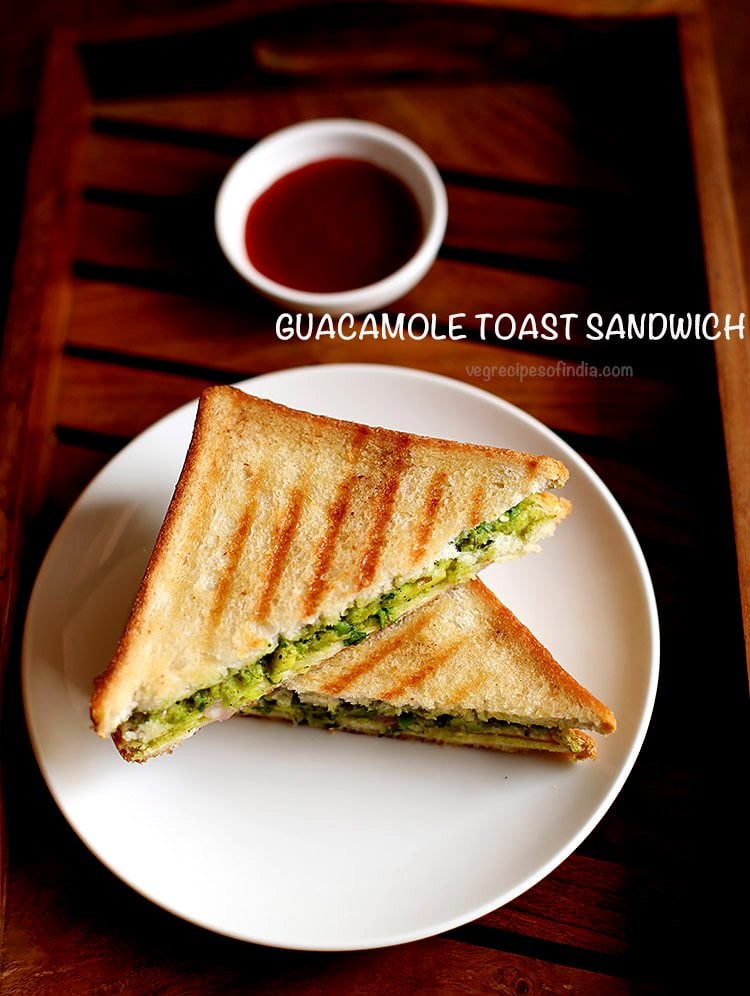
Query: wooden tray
x,y
565,143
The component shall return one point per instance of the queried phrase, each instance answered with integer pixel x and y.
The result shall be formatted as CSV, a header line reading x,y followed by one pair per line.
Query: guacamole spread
x,y
148,733
383,719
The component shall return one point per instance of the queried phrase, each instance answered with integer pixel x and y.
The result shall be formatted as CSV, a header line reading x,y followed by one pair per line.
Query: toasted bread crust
x,y
103,683
465,650
280,518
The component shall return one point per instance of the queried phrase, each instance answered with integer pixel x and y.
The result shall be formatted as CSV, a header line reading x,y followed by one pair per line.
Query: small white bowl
x,y
296,146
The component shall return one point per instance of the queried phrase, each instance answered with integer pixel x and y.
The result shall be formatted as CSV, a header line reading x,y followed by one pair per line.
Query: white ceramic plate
x,y
295,838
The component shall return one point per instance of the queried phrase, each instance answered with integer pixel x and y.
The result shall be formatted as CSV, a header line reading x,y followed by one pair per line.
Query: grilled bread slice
x,y
461,670
291,535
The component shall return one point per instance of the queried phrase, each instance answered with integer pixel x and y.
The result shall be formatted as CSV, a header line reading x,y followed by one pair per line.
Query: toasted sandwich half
x,y
290,536
461,670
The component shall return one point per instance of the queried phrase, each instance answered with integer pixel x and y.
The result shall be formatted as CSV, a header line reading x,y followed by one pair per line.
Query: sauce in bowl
x,y
333,225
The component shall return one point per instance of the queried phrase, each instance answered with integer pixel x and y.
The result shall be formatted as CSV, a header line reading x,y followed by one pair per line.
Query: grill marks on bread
x,y
387,647
421,674
462,691
373,472
234,548
384,501
281,545
462,651
213,556
336,516
477,504
426,524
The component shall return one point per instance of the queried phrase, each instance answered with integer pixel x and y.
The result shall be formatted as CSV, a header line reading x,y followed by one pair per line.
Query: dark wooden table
x,y
586,170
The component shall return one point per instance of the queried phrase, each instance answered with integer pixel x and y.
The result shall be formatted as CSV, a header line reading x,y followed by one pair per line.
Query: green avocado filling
x,y
386,720
146,733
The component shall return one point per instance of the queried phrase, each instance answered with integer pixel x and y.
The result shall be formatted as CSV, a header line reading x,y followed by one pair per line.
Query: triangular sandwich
x,y
290,536
461,670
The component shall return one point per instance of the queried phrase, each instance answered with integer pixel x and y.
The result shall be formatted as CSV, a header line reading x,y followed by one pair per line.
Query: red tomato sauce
x,y
333,225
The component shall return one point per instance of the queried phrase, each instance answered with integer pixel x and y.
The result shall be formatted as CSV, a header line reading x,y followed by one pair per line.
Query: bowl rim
x,y
434,222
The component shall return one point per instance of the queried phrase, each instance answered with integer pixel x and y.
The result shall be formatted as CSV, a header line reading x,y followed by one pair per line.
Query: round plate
x,y
292,837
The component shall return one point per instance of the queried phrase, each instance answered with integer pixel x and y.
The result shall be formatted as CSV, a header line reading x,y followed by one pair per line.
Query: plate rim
x,y
563,852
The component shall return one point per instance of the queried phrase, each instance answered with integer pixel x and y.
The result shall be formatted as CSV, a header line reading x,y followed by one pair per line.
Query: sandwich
x,y
461,670
290,536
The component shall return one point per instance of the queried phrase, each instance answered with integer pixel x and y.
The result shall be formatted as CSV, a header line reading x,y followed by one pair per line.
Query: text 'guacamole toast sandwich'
x,y
291,536
461,670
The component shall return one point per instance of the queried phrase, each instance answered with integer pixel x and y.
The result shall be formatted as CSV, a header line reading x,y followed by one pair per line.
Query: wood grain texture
x,y
552,910
154,25
36,326
540,165
38,310
725,274
490,129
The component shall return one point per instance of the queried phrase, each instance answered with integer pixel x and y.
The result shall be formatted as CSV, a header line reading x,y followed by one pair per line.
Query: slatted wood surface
x,y
564,144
